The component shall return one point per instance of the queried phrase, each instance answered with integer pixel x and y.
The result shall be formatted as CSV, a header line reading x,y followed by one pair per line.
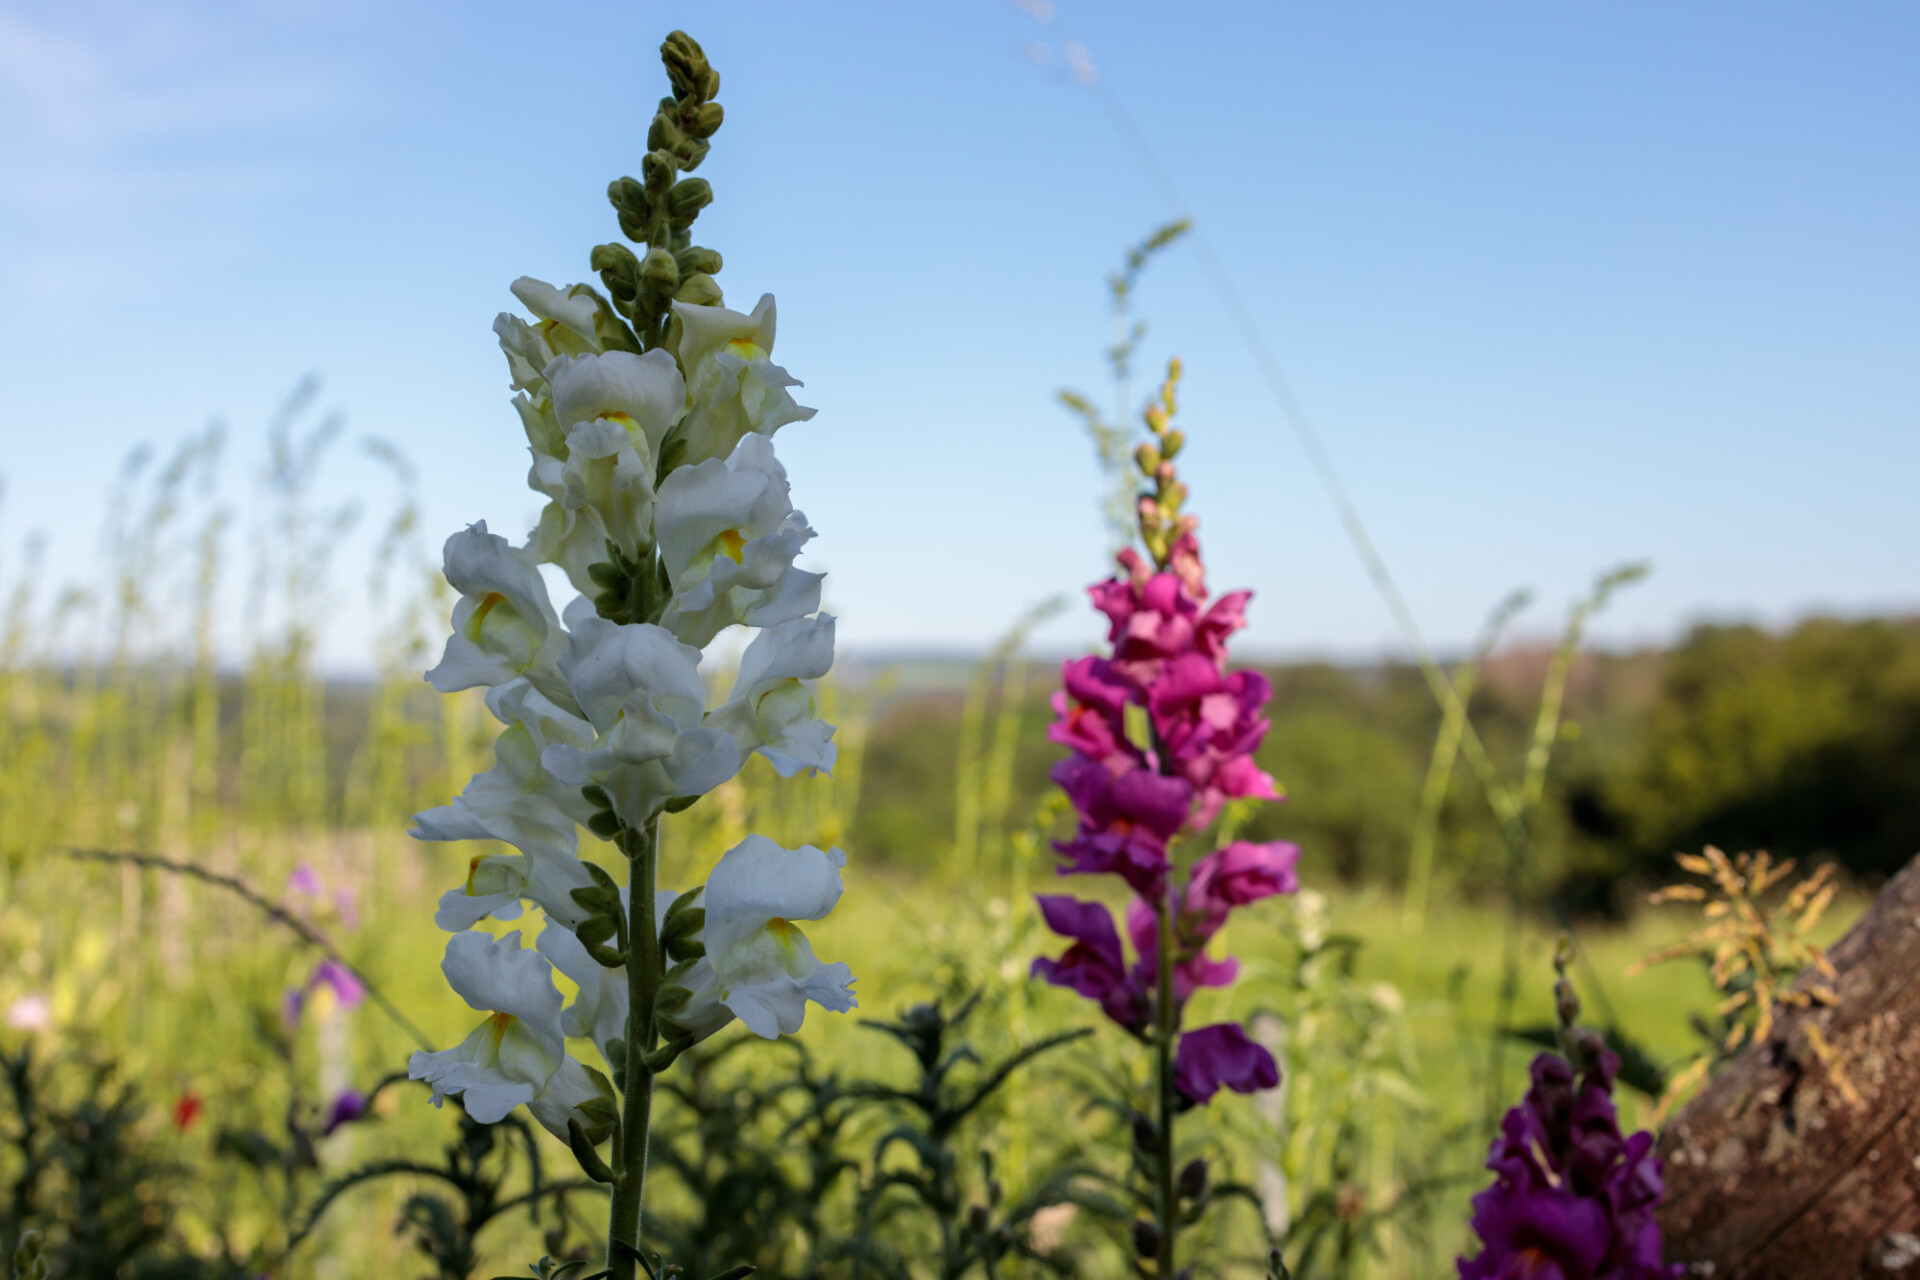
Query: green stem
x,y
1163,1071
644,975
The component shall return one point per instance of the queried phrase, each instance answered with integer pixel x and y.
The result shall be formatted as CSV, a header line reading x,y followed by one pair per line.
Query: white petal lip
x,y
494,975
612,668
757,881
646,388
574,310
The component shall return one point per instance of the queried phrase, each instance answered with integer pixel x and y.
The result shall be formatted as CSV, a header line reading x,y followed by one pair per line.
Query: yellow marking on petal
x,y
487,602
731,545
473,869
499,1023
782,931
745,348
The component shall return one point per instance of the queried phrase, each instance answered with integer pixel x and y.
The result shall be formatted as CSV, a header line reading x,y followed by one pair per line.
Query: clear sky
x,y
1559,285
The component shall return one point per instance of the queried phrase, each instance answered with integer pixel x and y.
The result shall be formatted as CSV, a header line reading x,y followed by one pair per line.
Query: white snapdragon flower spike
x,y
517,1057
503,626
728,535
733,388
565,324
771,708
763,966
640,688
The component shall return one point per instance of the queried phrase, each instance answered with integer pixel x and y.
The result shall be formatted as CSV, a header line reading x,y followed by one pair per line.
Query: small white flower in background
x,y
640,688
504,626
518,1055
728,535
733,389
764,968
771,709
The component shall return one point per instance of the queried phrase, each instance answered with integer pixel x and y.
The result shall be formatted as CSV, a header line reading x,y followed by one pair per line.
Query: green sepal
x,y
613,333
680,804
685,949
590,1162
616,1050
605,823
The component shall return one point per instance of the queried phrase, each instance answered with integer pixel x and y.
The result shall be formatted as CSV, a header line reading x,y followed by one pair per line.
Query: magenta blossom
x,y
1236,874
1572,1198
1192,967
305,881
1125,821
1094,965
1221,1055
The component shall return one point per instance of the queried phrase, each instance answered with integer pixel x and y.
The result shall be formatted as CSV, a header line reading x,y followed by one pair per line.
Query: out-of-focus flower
x,y
1094,965
31,1012
349,1106
1572,1198
517,1056
186,1109
764,967
304,880
1221,1055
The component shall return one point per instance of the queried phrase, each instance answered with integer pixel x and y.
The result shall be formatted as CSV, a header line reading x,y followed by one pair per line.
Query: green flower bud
x,y
629,197
700,290
664,134
705,120
1146,1238
685,61
695,259
691,153
656,170
659,273
1172,441
1147,458
688,197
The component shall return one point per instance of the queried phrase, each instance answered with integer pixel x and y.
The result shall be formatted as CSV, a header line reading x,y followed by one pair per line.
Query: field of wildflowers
x,y
510,973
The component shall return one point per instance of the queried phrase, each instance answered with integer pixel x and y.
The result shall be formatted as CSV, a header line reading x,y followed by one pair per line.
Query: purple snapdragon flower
x,y
345,1109
1572,1198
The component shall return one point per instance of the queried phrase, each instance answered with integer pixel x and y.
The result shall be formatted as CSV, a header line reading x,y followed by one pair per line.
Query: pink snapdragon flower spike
x,y
1160,735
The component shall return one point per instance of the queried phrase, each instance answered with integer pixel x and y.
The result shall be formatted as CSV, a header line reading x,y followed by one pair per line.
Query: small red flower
x,y
186,1109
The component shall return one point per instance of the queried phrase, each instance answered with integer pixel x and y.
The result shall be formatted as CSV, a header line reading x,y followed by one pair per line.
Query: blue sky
x,y
1559,286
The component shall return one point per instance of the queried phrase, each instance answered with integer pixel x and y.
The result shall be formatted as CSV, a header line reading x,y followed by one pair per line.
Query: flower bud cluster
x,y
668,511
1160,735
